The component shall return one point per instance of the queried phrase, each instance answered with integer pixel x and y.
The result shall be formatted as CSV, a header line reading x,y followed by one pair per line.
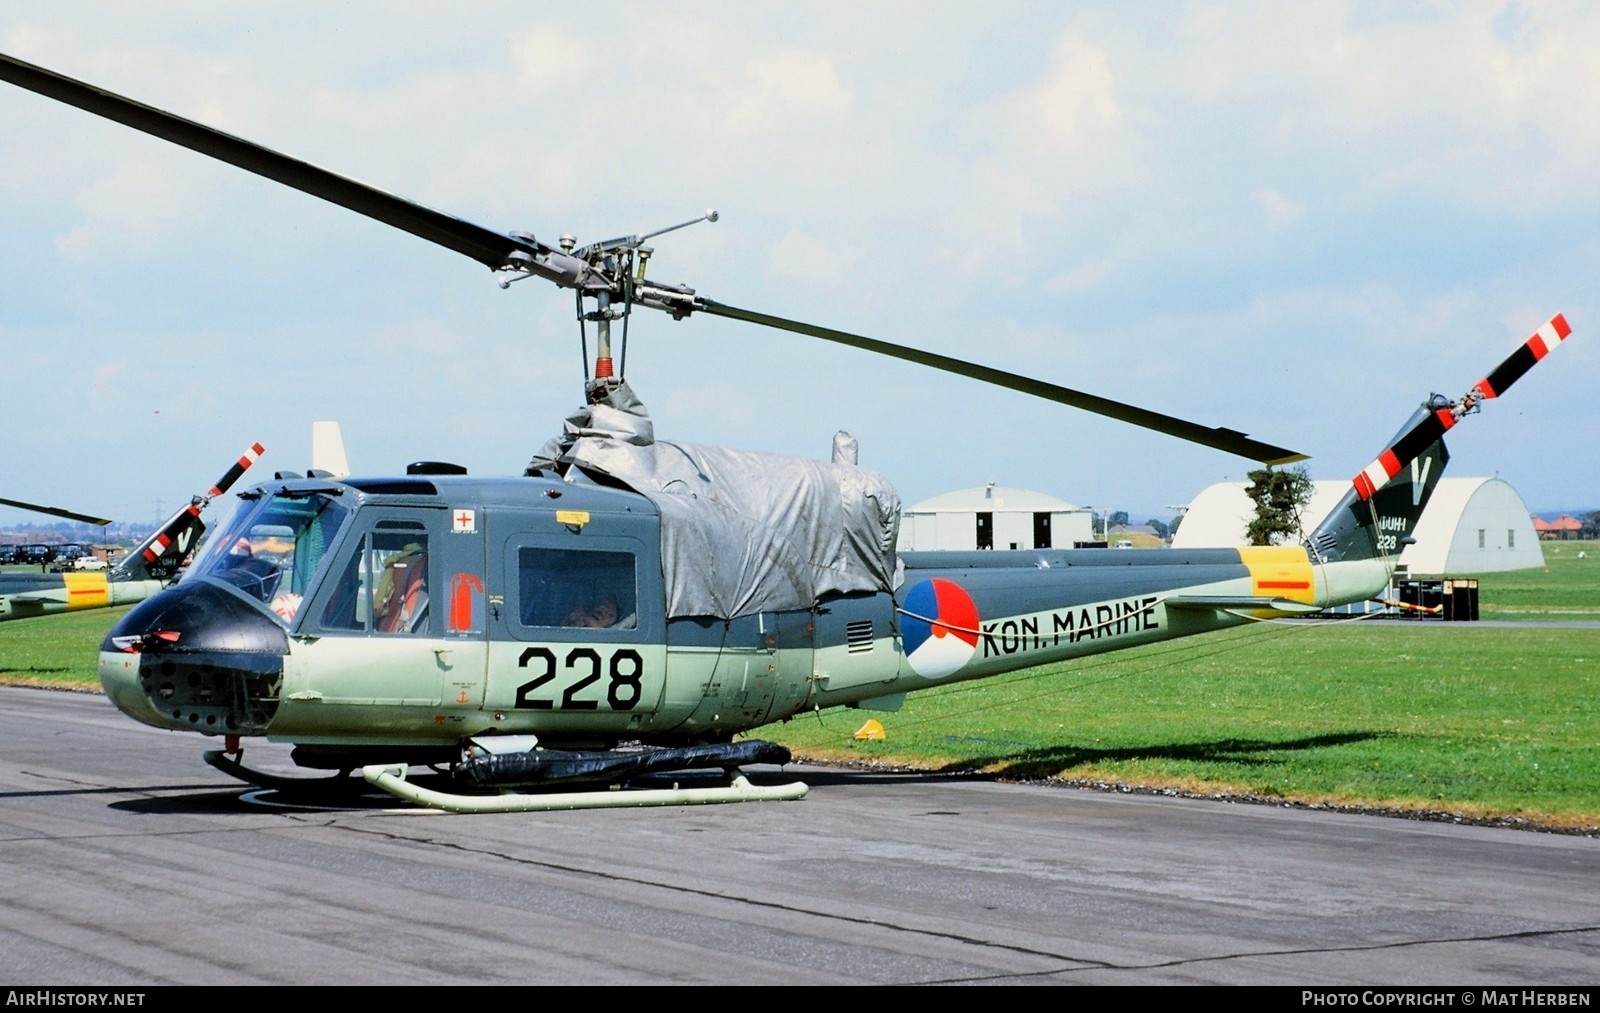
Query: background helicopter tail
x,y
328,458
162,555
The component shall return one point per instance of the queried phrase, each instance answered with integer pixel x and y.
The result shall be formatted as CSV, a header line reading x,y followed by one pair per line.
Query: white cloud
x,y
1289,219
1279,210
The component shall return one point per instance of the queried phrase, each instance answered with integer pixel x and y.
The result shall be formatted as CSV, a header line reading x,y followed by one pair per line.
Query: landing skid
x,y
334,786
392,779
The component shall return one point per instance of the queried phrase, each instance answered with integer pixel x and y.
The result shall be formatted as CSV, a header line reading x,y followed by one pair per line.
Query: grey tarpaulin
x,y
741,532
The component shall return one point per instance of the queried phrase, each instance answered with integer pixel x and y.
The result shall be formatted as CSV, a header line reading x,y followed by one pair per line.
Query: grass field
x,y
1567,587
1481,720
1489,721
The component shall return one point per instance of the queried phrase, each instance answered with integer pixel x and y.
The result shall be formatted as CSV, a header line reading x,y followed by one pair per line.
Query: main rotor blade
x,y
523,253
55,512
1230,440
483,245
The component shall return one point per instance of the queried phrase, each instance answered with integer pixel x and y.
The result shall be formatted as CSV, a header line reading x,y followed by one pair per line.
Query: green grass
x,y
59,650
1487,721
1422,715
1567,587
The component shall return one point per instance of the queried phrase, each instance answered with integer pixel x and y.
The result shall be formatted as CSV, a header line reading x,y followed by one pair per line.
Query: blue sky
x,y
1292,220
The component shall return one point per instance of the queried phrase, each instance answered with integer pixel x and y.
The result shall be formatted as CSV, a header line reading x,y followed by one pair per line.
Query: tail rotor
x,y
1442,413
163,552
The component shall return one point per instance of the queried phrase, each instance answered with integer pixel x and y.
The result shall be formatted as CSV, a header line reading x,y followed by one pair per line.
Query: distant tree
x,y
1591,524
1279,496
1159,527
1119,517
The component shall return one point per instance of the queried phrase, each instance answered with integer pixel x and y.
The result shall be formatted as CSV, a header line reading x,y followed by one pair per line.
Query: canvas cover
x,y
741,532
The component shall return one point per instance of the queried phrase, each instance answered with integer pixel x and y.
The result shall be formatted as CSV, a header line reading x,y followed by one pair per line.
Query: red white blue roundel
x,y
939,628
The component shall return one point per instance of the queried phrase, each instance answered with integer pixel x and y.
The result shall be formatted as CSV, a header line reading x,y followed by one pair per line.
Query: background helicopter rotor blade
x,y
1444,414
189,515
55,512
1221,439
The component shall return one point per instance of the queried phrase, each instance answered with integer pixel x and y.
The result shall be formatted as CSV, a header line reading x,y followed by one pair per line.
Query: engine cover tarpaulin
x,y
741,532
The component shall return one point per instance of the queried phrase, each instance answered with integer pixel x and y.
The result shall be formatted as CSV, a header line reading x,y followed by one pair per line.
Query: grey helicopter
x,y
628,606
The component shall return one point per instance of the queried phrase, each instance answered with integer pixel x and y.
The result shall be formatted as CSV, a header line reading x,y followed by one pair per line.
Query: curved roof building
x,y
1472,525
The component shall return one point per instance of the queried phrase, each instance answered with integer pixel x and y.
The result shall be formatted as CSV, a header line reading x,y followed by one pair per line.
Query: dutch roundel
x,y
939,626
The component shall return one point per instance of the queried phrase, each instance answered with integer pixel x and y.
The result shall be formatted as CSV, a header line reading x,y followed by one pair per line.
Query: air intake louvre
x,y
858,636
1327,545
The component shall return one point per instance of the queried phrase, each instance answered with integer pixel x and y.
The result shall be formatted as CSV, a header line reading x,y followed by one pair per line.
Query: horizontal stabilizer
x,y
1226,603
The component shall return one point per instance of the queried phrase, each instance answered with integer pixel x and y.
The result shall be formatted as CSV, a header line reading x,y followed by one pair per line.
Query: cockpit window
x,y
570,587
271,549
384,586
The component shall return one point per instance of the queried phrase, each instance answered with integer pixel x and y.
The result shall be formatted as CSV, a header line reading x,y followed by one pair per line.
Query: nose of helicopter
x,y
196,657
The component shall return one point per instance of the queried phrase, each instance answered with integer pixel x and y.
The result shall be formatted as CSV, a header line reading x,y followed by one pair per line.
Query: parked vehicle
x,y
65,557
34,554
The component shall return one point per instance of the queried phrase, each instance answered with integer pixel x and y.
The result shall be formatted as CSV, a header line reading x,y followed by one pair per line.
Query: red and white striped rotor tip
x,y
240,466
1388,464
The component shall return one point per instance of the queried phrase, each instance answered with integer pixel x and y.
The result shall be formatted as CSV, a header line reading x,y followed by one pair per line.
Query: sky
x,y
1297,221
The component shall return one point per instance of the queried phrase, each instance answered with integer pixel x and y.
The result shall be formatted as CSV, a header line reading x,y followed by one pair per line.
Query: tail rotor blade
x,y
1523,359
1405,449
1442,414
240,466
159,543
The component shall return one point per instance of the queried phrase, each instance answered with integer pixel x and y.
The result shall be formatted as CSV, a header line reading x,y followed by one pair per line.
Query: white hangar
x,y
994,517
1471,525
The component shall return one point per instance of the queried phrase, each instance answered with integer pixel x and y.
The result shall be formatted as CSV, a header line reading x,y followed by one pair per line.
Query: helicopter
x,y
152,565
626,606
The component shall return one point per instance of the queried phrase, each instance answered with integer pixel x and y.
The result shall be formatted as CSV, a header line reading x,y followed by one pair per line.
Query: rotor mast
x,y
613,278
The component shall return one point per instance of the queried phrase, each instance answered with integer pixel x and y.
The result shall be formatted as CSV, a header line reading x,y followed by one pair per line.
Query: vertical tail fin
x,y
327,451
160,556
1378,524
